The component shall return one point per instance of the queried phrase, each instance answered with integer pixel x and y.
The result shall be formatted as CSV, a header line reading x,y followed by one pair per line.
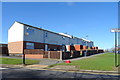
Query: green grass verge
x,y
17,61
99,62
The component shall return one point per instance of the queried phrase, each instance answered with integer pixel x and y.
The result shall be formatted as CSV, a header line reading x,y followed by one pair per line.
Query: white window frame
x,y
29,45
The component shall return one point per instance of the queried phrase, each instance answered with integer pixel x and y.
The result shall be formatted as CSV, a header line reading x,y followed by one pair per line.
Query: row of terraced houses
x,y
40,43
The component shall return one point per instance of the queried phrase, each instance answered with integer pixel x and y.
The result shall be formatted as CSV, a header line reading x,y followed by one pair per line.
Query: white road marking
x,y
3,68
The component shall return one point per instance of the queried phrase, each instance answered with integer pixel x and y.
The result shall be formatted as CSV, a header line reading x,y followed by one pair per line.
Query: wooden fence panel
x,y
55,54
45,54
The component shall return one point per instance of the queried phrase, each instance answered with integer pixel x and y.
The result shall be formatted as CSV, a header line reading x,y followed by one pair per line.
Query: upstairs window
x,y
29,45
29,31
46,34
63,38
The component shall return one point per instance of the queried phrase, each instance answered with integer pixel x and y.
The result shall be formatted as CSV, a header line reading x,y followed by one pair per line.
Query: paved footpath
x,y
49,61
84,57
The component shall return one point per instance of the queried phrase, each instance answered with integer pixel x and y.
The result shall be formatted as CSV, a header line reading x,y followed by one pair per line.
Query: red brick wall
x,y
77,47
15,47
84,47
34,56
33,51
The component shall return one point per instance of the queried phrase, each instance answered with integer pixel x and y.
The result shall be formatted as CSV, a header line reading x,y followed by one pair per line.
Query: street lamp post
x,y
115,30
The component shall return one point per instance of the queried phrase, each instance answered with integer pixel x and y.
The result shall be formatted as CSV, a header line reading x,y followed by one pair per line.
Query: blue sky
x,y
94,19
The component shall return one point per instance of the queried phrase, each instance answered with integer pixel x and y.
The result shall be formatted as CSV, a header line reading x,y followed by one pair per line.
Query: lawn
x,y
17,61
103,62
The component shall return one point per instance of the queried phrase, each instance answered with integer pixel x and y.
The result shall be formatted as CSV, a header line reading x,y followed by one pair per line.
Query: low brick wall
x,y
34,56
33,51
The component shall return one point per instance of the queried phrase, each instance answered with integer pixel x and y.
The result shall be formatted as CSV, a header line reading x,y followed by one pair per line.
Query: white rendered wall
x,y
15,33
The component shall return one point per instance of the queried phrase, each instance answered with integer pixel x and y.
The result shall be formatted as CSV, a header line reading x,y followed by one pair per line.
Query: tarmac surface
x,y
15,73
41,70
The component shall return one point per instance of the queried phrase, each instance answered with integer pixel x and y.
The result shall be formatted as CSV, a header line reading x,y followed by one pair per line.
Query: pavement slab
x,y
79,58
49,61
67,67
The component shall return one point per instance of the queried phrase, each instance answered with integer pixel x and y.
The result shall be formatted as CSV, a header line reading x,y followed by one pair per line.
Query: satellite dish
x,y
27,27
26,34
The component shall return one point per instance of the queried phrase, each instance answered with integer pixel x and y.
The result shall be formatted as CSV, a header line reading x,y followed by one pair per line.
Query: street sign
x,y
115,30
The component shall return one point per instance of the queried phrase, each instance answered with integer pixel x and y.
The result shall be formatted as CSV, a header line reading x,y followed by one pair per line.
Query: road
x,y
32,73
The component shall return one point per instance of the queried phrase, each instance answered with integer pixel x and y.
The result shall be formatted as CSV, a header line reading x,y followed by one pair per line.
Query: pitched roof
x,y
62,34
